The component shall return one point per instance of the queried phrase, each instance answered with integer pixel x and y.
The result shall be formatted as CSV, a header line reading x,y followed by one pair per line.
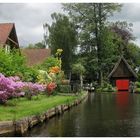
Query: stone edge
x,y
20,127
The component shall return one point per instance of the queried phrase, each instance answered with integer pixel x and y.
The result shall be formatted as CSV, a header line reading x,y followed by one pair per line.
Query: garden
x,y
26,91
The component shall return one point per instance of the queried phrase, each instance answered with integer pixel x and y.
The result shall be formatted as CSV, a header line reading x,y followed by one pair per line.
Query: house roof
x,y
35,56
8,35
122,59
5,30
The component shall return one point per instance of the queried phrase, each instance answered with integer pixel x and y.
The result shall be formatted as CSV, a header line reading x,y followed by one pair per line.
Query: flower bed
x,y
11,87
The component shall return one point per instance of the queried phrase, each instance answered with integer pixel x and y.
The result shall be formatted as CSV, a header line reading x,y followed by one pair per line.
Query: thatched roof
x,y
127,67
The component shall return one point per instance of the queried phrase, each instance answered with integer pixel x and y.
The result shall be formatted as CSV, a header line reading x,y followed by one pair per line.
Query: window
x,y
7,48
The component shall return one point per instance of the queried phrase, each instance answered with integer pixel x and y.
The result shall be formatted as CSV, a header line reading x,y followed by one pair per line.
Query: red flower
x,y
51,87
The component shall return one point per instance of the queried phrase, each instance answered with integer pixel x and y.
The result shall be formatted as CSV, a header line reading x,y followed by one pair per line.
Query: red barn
x,y
122,74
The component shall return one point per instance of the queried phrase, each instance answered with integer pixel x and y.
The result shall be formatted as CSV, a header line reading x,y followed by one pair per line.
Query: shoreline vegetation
x,y
16,109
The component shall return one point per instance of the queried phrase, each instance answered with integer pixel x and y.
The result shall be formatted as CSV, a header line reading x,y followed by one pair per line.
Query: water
x,y
107,114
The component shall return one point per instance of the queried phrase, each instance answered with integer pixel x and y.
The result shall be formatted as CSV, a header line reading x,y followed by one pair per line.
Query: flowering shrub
x,y
50,87
59,52
55,69
12,87
32,89
3,96
50,74
43,77
50,62
9,87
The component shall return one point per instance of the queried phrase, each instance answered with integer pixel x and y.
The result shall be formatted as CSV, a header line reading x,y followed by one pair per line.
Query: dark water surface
x,y
107,114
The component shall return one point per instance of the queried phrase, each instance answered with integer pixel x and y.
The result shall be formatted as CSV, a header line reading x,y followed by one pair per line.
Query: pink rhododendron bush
x,y
11,87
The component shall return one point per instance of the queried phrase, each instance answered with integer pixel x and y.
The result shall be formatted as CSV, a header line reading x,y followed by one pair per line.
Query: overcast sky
x,y
29,19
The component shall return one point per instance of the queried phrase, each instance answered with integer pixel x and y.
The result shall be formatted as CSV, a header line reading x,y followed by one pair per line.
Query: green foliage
x,y
38,45
59,77
64,88
78,68
137,90
10,62
13,63
138,74
30,74
50,62
43,77
62,35
106,88
137,84
94,42
133,55
25,108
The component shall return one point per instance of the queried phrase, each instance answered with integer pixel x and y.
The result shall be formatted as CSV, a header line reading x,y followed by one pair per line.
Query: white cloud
x,y
130,13
30,17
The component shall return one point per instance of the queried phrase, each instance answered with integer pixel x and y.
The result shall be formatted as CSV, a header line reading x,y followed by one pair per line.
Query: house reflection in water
x,y
123,104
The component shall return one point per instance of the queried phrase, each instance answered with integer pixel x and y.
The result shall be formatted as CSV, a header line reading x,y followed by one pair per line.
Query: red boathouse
x,y
122,74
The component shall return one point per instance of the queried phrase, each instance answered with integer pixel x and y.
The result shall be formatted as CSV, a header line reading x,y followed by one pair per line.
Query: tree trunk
x,y
98,28
100,44
81,81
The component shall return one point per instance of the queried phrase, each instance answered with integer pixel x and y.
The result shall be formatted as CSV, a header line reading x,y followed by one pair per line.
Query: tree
x,y
38,45
62,35
91,20
133,55
124,34
79,69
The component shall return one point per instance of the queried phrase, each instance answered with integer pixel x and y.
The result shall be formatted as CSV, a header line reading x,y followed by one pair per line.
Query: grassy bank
x,y
19,108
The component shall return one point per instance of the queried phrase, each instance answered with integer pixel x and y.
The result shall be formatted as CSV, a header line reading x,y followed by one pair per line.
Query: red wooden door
x,y
122,84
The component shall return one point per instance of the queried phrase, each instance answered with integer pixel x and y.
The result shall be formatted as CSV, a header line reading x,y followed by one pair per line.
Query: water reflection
x,y
103,114
122,104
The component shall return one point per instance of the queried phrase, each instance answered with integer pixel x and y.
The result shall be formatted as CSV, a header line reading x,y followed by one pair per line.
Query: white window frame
x,y
7,48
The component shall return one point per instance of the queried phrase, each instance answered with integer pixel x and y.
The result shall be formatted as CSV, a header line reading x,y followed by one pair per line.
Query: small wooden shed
x,y
122,74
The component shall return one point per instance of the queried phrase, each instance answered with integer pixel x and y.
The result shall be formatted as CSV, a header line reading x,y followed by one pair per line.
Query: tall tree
x,y
124,34
91,20
62,35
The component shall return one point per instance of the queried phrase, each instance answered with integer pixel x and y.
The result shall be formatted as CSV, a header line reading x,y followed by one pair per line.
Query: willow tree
x,y
62,35
91,19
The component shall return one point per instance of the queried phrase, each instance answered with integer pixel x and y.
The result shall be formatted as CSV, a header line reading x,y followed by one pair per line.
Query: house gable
x,y
8,35
122,70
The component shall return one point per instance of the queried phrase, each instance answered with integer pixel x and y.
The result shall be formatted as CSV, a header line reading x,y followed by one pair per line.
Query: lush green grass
x,y
19,108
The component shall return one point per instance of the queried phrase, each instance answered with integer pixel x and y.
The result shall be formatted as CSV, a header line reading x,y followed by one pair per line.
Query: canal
x,y
106,114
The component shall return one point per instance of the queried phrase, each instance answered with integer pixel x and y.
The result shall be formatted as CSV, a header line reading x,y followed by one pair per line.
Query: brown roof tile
x,y
5,29
35,56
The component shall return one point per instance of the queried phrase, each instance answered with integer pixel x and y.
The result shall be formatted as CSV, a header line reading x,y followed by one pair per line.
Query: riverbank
x,y
24,114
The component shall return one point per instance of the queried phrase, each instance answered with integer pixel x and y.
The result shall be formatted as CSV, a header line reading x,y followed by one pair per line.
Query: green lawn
x,y
24,107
